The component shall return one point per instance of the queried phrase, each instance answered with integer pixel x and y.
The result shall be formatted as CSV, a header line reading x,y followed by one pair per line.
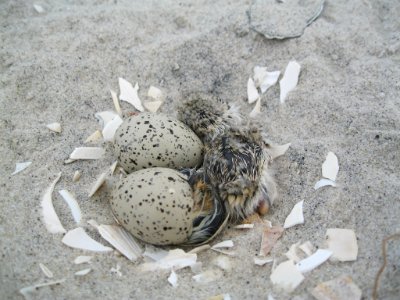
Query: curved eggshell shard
x,y
155,205
154,140
330,167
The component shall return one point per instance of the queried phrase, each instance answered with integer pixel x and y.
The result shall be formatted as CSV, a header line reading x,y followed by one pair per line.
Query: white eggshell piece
x,y
142,204
296,216
256,109
50,217
324,182
154,253
343,244
224,244
39,9
82,259
262,261
208,276
286,276
244,226
105,117
175,259
46,271
252,93
94,137
116,103
121,240
56,127
155,93
83,272
77,176
223,262
173,279
129,94
330,167
78,238
292,253
152,106
110,128
73,205
307,248
277,150
87,153
19,167
289,80
313,261
155,140
26,291
264,79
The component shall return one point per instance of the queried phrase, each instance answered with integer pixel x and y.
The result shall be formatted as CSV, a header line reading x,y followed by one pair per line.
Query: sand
x,y
58,66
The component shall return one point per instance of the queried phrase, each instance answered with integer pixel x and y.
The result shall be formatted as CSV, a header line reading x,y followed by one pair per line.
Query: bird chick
x,y
236,164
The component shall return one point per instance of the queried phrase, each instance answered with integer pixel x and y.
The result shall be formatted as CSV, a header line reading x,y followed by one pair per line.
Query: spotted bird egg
x,y
154,140
155,205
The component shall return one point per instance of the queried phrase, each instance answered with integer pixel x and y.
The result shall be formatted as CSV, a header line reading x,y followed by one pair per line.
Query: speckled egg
x,y
155,205
154,140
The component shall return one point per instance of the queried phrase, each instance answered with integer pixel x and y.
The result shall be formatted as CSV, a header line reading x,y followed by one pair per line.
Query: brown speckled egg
x,y
153,140
155,205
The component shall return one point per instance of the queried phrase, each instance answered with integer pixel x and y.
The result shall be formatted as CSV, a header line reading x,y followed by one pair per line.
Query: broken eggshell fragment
x,y
154,140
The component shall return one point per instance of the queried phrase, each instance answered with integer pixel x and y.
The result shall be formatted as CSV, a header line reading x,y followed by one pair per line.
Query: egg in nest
x,y
155,205
154,140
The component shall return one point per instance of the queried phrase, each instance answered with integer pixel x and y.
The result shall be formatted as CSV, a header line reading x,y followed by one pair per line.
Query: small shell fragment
x,y
110,128
73,205
116,103
102,178
313,261
83,272
29,289
324,182
39,9
277,150
155,93
153,106
77,176
50,217
208,276
121,240
224,244
330,167
296,216
307,248
175,259
343,244
286,276
87,153
105,117
292,253
78,238
289,80
262,261
223,262
173,279
82,259
264,79
244,226
341,287
46,270
94,137
129,93
19,167
256,109
269,238
56,127
154,253
252,93
116,270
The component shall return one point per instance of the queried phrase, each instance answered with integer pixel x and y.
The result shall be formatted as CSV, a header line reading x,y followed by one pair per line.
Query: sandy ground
x,y
59,66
